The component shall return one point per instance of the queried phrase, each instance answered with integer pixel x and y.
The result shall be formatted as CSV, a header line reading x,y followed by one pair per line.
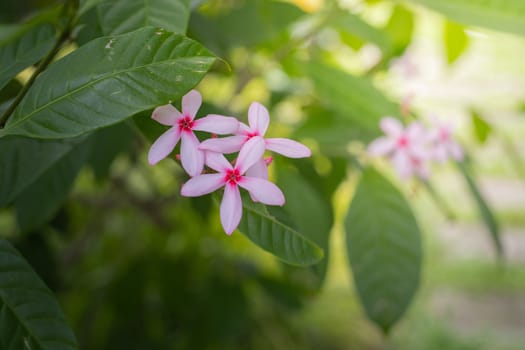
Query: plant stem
x,y
63,37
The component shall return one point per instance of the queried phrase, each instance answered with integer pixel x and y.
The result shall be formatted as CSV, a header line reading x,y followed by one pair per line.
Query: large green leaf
x,y
484,210
121,16
108,80
37,203
25,51
310,212
400,28
354,98
24,160
503,15
30,316
276,237
384,248
456,41
482,129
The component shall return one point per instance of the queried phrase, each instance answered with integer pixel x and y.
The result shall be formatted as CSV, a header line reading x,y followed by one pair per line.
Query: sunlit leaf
x,y
108,80
30,316
384,249
276,237
482,129
503,15
400,27
456,40
121,16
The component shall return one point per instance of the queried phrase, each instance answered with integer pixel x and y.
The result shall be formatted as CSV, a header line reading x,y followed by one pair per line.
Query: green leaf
x,y
482,129
503,15
38,203
384,249
25,51
122,16
249,23
109,80
30,316
400,28
24,160
309,212
456,40
352,27
277,238
353,98
484,210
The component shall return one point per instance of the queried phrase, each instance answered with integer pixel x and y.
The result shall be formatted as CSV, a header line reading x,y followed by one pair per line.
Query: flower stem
x,y
62,38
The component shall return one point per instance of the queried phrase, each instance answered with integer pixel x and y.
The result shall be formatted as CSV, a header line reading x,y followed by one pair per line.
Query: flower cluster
x,y
249,171
411,149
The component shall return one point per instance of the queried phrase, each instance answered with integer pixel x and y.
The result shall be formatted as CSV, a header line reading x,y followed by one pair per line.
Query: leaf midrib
x,y
92,83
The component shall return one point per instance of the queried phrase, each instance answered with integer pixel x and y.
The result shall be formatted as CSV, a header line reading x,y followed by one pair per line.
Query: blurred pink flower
x,y
182,127
258,120
444,145
231,177
407,148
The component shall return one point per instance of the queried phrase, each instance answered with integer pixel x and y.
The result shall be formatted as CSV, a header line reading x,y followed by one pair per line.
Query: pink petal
x,y
166,115
163,146
231,208
244,130
217,162
226,145
262,190
391,126
191,102
258,118
403,165
202,184
381,146
416,131
251,152
423,170
440,153
217,124
192,158
259,169
288,148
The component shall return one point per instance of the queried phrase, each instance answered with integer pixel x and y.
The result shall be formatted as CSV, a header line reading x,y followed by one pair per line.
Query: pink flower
x,y
443,142
258,120
231,177
182,127
406,148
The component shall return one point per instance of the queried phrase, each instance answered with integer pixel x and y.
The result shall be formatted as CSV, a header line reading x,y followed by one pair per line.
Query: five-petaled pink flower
x,y
182,127
406,148
443,143
231,177
258,120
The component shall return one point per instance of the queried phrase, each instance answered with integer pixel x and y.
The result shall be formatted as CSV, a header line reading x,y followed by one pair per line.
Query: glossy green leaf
x,y
311,214
503,15
37,203
122,16
24,160
109,80
353,98
276,237
485,212
30,316
384,249
25,51
482,129
456,41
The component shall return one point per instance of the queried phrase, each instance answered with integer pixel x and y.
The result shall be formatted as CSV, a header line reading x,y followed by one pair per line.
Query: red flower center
x,y
185,124
402,141
232,176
